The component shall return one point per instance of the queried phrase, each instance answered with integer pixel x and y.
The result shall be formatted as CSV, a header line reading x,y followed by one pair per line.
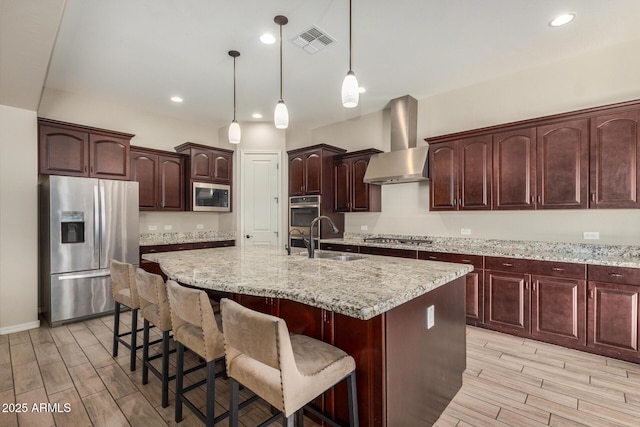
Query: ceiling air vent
x,y
313,40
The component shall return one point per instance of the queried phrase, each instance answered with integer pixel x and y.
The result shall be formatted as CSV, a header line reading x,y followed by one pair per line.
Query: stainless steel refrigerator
x,y
84,223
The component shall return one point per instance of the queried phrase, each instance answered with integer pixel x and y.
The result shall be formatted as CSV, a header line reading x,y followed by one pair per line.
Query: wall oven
x,y
209,197
302,210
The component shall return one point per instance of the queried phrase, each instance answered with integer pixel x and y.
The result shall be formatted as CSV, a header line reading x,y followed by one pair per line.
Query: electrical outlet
x,y
168,227
431,317
200,226
153,227
363,228
465,231
591,235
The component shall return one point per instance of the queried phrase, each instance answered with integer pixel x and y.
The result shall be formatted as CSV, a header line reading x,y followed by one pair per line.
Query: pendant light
x,y
281,115
350,90
234,127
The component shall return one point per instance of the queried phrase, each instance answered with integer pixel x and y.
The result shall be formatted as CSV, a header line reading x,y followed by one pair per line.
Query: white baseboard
x,y
20,328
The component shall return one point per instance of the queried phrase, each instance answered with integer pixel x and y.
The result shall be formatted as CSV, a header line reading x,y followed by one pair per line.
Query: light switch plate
x,y
465,231
200,226
363,228
430,316
168,227
591,235
153,227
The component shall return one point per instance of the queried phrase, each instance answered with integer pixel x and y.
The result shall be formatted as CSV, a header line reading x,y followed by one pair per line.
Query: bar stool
x,y
196,327
154,307
125,292
288,371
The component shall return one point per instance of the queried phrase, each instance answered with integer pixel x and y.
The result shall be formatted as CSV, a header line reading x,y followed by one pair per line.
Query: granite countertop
x,y
152,239
363,288
609,255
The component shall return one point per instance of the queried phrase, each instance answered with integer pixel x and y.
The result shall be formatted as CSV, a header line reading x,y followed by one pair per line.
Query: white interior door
x,y
260,198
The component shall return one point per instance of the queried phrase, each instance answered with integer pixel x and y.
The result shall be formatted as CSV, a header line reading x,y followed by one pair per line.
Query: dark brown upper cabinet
x,y
461,174
311,171
514,173
351,193
208,164
75,150
205,164
582,159
160,175
563,165
615,156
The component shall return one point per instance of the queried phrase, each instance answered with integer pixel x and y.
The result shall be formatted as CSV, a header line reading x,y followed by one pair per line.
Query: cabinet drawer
x,y
507,264
177,247
476,260
215,244
339,247
434,256
558,269
621,275
400,253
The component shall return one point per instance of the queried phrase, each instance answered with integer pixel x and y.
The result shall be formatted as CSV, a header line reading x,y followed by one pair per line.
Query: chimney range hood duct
x,y
405,162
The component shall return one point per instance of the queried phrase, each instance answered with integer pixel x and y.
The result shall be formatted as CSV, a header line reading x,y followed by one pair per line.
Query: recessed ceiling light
x,y
565,18
361,89
267,38
176,99
256,115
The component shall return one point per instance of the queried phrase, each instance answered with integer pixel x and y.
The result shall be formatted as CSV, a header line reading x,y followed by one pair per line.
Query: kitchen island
x,y
373,307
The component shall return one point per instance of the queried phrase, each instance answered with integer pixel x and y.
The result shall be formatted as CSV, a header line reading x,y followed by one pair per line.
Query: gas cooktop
x,y
398,241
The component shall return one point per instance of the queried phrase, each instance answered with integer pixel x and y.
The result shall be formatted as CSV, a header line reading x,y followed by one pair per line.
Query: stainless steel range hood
x,y
405,162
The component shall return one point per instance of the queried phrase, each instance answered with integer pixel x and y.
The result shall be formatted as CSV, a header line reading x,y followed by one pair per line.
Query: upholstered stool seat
x,y
196,327
154,308
125,292
287,371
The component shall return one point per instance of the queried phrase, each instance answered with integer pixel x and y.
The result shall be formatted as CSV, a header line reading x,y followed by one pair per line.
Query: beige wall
x,y
596,78
18,220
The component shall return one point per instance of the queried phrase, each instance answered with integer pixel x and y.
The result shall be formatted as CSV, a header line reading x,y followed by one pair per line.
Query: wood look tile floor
x,y
509,381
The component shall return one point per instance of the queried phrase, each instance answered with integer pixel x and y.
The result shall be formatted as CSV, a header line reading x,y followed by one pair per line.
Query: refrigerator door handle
x,y
96,225
99,273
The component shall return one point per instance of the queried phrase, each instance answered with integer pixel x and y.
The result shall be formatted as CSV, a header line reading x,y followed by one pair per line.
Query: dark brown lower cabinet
x,y
395,252
339,247
558,310
613,316
474,297
506,302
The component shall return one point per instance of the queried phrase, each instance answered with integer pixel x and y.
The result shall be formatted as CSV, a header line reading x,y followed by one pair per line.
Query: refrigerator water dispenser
x,y
72,226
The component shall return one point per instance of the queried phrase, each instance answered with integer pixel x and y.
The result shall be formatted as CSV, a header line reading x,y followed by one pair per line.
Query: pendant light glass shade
x,y
234,133
234,127
350,91
281,115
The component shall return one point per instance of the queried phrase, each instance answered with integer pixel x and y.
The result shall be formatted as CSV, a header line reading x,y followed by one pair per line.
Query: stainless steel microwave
x,y
209,197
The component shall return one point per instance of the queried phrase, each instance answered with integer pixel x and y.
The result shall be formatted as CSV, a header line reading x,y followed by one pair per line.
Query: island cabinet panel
x,y
615,160
514,173
76,150
351,193
262,304
557,310
563,165
311,172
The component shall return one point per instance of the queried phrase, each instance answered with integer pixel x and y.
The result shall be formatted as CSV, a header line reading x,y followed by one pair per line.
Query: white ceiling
x,y
141,52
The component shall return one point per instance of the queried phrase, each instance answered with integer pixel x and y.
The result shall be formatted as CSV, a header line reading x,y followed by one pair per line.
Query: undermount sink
x,y
334,256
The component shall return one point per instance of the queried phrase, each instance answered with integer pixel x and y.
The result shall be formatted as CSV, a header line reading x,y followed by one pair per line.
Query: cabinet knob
x,y
593,197
507,264
615,275
557,269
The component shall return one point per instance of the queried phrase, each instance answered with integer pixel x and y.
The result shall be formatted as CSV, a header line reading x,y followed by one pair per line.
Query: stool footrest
x,y
315,411
271,420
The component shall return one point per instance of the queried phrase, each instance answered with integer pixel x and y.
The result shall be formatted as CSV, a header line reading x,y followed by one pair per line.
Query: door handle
x,y
248,236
